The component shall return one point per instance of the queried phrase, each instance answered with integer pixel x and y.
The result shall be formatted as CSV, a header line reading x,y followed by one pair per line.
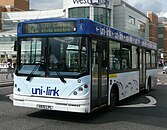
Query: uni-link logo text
x,y
48,91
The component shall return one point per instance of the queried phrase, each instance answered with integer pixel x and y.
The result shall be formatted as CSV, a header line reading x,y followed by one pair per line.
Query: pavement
x,y
5,84
6,79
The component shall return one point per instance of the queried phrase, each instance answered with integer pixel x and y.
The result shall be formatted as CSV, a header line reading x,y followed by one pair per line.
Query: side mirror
x,y
15,46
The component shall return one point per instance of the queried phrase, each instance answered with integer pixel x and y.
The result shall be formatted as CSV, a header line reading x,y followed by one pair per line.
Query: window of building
x,y
131,20
160,35
114,55
148,59
160,29
81,12
135,53
102,15
7,39
141,26
160,43
126,56
9,25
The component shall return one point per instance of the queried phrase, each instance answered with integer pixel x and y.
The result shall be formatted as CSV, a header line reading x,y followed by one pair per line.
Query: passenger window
x,y
114,55
126,57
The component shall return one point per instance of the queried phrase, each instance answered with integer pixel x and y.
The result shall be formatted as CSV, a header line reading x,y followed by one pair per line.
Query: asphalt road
x,y
129,115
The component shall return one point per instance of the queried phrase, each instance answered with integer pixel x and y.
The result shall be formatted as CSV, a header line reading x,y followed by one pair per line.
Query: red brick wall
x,y
2,9
0,21
13,5
153,27
16,5
7,2
22,4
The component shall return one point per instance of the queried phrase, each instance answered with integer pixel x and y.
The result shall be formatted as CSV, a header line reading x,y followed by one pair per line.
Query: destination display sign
x,y
49,27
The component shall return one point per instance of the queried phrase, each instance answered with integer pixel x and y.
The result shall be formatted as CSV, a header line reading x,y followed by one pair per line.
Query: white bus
x,y
78,65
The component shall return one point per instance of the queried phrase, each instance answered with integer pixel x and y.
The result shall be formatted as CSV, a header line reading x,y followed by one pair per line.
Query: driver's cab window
x,y
68,54
31,51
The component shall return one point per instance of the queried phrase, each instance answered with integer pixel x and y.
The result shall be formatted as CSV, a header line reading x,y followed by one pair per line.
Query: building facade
x,y
9,27
162,38
131,20
14,5
8,38
153,26
97,10
115,13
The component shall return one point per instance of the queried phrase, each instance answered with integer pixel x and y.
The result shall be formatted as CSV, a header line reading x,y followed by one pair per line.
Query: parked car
x,y
164,70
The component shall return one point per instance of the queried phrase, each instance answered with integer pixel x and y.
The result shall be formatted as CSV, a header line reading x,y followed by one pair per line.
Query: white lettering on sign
x,y
91,2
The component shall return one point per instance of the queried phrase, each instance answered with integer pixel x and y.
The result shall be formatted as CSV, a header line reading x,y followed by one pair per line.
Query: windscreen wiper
x,y
34,69
32,72
60,77
58,73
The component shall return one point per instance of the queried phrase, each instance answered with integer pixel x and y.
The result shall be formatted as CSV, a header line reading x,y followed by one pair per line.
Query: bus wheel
x,y
113,98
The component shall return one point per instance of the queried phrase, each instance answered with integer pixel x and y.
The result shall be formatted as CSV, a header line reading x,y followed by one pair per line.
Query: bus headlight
x,y
81,90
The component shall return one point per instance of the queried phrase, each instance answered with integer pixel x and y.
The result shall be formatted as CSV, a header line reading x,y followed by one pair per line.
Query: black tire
x,y
113,98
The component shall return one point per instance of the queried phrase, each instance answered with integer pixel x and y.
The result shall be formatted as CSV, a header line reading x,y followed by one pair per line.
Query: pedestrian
x,y
14,64
9,70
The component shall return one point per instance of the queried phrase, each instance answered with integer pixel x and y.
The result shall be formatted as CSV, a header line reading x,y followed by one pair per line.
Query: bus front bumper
x,y
70,105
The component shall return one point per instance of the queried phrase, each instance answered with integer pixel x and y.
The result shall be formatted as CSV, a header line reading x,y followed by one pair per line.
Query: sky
x,y
157,6
46,4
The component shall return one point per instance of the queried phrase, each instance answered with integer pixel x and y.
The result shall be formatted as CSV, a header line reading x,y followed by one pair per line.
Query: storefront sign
x,y
92,2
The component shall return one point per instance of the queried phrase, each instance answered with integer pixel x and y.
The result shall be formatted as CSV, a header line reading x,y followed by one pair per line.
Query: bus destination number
x,y
51,27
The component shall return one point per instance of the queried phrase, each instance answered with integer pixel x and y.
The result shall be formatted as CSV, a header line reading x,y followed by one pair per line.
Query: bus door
x,y
99,73
142,68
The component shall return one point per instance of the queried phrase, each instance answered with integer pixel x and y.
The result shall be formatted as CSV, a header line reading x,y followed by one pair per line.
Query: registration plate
x,y
45,107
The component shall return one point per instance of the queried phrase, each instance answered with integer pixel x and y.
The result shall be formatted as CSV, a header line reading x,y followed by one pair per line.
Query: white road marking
x,y
150,104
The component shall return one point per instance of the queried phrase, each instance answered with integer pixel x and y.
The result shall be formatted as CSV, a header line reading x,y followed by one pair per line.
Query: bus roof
x,y
77,26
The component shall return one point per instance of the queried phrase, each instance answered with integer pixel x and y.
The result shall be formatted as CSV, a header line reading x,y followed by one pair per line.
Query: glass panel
x,y
131,20
87,12
141,26
68,54
148,59
31,51
114,55
95,67
32,56
102,15
74,12
126,56
81,12
141,67
153,58
104,64
134,57
144,65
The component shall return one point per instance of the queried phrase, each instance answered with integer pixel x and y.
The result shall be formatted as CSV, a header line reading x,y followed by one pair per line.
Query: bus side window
x,y
124,64
126,56
114,55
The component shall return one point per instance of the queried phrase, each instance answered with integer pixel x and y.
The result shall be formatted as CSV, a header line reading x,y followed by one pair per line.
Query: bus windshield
x,y
67,56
